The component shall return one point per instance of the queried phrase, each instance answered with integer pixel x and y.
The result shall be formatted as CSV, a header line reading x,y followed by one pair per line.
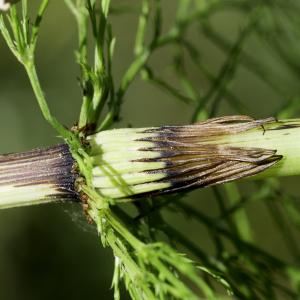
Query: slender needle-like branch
x,y
35,83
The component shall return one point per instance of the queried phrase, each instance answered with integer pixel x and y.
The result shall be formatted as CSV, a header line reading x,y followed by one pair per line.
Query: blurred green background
x,y
48,252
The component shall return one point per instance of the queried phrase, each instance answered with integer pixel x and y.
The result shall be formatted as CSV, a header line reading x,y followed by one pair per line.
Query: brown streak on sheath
x,y
209,128
286,126
51,166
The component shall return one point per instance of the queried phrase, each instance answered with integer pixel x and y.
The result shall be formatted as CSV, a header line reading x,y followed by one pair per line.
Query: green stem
x,y
123,231
35,83
282,136
240,216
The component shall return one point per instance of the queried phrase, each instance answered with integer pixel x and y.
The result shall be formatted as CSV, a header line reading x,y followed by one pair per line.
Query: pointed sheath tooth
x,y
225,174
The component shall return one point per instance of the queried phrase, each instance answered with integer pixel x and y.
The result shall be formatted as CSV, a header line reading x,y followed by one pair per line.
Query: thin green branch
x,y
35,83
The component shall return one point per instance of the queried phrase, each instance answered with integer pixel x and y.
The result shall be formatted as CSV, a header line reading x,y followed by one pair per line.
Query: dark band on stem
x,y
52,166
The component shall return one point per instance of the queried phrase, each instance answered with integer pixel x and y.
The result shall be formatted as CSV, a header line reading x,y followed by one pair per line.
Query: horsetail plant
x,y
101,167
130,163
